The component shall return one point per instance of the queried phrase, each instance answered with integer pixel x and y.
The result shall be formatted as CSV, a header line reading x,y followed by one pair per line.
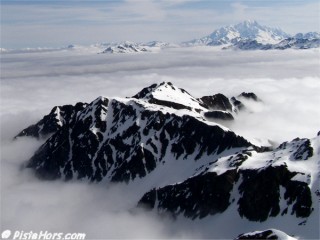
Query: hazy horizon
x,y
60,23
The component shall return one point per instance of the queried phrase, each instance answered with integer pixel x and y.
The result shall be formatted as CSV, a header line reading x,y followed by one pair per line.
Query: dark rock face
x,y
57,151
219,115
237,101
145,92
169,104
260,194
209,194
249,96
217,102
237,104
197,197
52,122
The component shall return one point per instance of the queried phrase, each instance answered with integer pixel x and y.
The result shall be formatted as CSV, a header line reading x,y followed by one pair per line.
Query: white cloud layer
x,y
288,82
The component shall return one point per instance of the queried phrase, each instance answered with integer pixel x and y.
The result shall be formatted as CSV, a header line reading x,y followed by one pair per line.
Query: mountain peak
x,y
246,30
145,93
157,88
167,94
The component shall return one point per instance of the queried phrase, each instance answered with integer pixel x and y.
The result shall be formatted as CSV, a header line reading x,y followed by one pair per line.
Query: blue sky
x,y
49,23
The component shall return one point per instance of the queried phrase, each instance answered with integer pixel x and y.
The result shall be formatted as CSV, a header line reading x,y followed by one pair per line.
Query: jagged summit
x,y
253,30
148,92
167,94
108,135
163,96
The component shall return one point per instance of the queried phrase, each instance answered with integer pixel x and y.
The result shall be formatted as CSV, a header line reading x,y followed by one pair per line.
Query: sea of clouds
x,y
287,82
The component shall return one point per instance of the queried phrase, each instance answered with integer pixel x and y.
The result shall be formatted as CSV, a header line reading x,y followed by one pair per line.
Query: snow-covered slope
x,y
266,234
168,93
179,151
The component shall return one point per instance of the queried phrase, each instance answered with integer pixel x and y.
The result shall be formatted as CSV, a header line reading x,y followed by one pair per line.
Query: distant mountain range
x,y
250,35
247,35
186,161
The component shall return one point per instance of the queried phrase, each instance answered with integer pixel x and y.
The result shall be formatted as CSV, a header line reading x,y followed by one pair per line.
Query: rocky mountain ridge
x,y
178,147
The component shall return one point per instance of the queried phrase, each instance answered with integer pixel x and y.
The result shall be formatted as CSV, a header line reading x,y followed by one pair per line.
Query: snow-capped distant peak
x,y
251,29
126,47
247,30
